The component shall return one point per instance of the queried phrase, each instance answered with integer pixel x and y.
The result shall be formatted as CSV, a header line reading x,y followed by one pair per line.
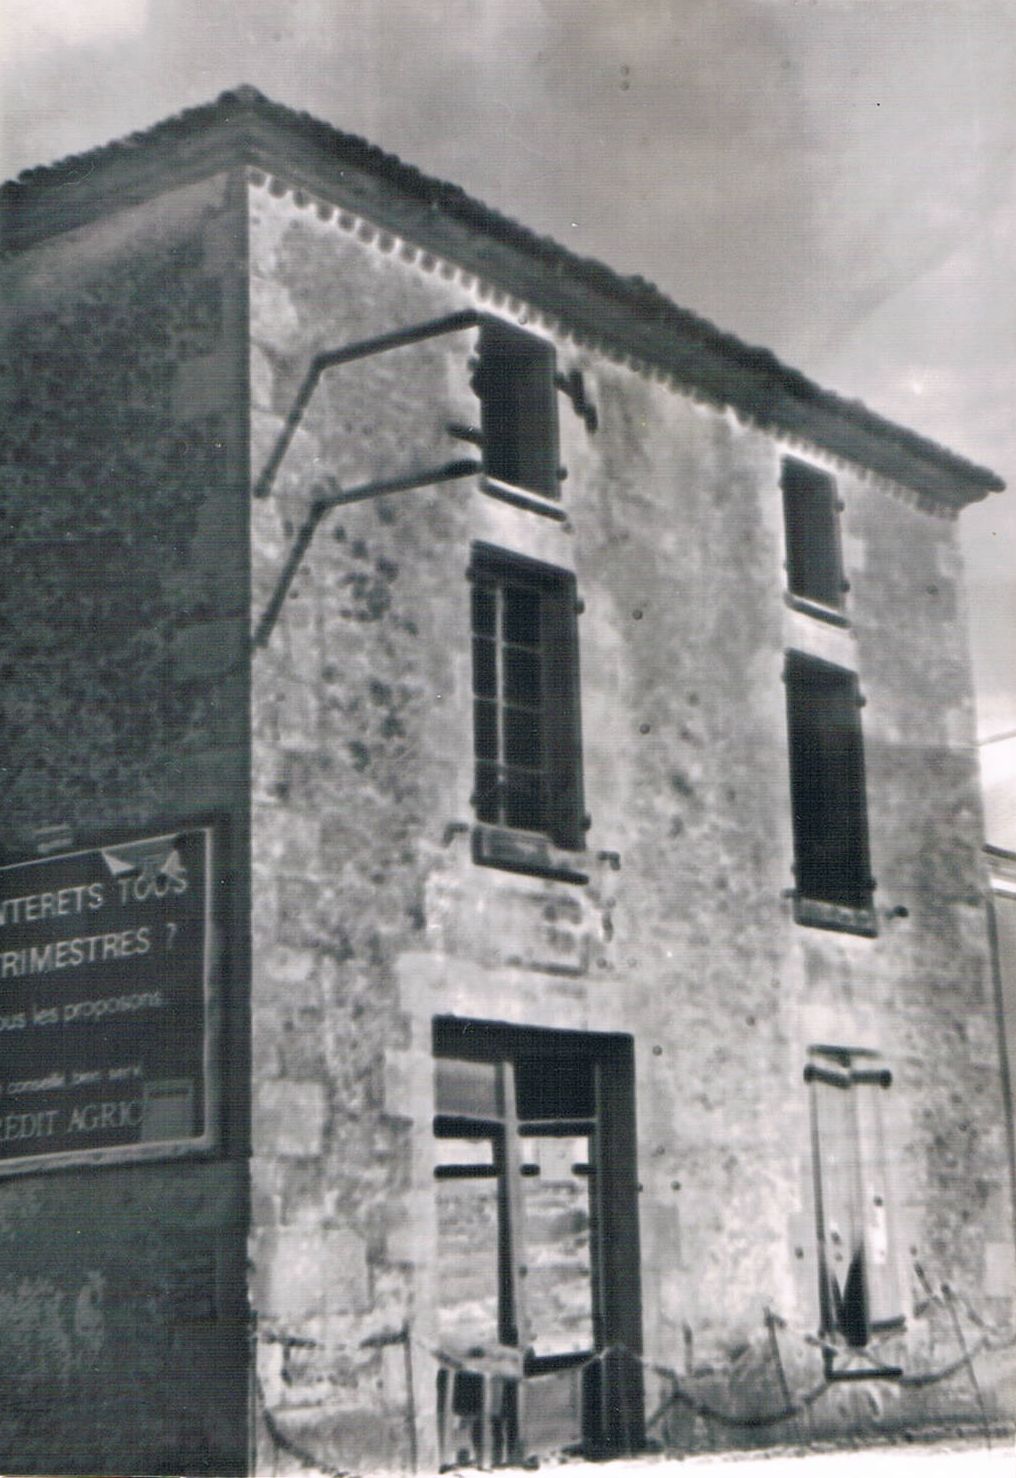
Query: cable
x,y
280,1440
793,1407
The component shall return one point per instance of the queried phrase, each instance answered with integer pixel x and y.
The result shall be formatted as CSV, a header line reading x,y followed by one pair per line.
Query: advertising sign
x,y
105,1002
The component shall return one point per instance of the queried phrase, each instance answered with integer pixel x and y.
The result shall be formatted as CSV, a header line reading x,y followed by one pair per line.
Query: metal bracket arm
x,y
328,358
323,505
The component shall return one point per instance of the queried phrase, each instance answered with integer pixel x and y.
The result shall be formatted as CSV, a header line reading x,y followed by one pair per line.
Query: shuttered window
x,y
827,784
514,381
811,521
859,1295
525,697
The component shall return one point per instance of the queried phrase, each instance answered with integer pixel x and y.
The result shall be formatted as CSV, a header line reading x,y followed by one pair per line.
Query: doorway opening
x,y
539,1308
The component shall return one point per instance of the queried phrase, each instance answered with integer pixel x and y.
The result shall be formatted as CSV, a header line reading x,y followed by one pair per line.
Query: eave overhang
x,y
624,315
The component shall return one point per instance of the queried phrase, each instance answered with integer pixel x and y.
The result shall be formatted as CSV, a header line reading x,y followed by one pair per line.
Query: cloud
x,y
33,25
770,163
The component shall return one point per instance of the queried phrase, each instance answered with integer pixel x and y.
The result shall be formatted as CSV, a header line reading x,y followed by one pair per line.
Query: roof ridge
x,y
633,292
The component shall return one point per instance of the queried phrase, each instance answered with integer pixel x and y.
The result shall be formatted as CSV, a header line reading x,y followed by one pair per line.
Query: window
x,y
858,1287
537,1242
525,697
811,520
518,407
827,792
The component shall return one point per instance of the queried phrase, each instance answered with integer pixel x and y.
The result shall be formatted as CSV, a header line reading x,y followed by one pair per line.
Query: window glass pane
x,y
521,615
485,725
557,1255
484,668
524,671
522,737
522,676
523,804
484,609
464,1087
466,1155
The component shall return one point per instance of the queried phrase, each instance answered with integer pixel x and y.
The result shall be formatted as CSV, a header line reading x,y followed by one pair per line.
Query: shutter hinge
x,y
465,433
573,385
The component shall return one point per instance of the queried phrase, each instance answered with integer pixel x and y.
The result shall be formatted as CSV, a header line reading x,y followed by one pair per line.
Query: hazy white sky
x,y
833,178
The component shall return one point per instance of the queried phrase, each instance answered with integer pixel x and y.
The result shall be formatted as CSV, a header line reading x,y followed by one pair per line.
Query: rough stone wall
x,y
124,704
370,917
1002,870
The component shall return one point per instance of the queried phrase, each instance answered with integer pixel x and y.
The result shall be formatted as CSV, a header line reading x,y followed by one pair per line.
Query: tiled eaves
x,y
487,292
626,317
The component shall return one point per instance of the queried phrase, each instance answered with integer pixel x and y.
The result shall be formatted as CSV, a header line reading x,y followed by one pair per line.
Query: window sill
x,y
816,913
526,852
815,608
532,501
840,1359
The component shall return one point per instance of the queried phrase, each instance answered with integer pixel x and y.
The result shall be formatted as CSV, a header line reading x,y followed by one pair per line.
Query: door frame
x,y
615,1222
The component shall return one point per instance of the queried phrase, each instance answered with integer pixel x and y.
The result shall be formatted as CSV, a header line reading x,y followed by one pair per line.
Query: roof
x,y
592,300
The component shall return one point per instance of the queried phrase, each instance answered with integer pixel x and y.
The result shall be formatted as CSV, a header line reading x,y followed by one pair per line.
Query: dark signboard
x,y
105,1001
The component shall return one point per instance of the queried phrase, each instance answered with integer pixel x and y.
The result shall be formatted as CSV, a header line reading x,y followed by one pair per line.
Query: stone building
x,y
493,918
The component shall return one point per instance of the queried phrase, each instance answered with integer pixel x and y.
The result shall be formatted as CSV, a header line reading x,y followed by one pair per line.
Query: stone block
x,y
271,1359
290,716
408,1085
276,311
543,928
291,971
303,1272
393,1377
999,1270
262,379
289,1118
266,1031
289,840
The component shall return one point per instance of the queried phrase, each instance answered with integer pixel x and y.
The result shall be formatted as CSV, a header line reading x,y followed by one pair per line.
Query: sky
x,y
835,179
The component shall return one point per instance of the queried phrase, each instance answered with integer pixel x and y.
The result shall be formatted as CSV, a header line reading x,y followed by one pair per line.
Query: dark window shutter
x,y
563,737
814,556
518,408
827,783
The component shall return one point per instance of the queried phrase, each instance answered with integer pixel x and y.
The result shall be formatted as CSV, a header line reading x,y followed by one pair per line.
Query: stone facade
x,y
365,886
659,976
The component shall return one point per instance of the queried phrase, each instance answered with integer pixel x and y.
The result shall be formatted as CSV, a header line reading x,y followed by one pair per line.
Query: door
x,y
537,1262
